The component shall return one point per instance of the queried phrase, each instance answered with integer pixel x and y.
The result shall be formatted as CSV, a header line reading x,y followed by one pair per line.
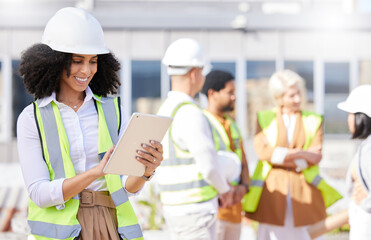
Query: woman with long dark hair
x,y
66,136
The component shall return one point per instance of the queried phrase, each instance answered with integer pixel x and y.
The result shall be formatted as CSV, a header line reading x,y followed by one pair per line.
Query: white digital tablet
x,y
141,129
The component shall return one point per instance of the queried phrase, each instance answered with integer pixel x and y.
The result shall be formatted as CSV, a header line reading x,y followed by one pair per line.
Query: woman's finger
x,y
157,146
149,157
153,151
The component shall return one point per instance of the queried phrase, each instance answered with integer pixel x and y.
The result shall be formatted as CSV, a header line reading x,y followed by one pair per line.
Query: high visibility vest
x,y
268,122
179,180
221,139
50,223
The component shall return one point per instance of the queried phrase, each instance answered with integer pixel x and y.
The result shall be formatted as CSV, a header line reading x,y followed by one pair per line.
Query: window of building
x,y
21,98
305,70
146,86
225,66
336,90
258,98
260,69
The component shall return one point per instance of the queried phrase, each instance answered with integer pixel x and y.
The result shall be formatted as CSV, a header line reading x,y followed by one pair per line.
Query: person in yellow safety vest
x,y
286,192
66,136
219,88
189,178
357,105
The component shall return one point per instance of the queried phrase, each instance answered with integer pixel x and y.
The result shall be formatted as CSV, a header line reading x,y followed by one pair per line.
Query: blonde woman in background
x,y
288,141
359,123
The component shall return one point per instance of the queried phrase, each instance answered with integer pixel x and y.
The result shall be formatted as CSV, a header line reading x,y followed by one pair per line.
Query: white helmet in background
x,y
183,55
231,165
358,101
74,30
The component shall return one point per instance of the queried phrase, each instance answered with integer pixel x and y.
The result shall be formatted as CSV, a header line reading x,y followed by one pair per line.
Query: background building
x,y
328,42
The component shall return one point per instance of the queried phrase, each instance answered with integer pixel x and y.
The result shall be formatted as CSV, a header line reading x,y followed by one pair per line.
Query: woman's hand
x,y
150,156
98,170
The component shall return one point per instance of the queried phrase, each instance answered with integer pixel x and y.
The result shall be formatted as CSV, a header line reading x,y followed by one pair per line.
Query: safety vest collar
x,y
268,123
221,139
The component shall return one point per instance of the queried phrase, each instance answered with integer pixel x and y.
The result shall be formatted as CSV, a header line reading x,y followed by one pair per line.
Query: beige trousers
x,y
228,230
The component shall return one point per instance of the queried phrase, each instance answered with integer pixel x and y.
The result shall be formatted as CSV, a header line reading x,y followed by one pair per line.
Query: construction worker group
x,y
201,167
204,176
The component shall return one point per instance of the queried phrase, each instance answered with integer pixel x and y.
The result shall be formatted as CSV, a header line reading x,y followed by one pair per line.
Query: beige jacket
x,y
307,203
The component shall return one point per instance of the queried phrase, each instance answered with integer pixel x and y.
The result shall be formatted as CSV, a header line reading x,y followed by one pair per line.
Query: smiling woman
x,y
66,136
288,142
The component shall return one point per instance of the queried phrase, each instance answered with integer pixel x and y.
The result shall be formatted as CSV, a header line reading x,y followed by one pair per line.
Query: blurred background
x,y
328,42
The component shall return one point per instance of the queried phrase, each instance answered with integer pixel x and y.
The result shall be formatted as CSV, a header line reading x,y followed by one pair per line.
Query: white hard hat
x,y
231,165
74,30
358,101
183,55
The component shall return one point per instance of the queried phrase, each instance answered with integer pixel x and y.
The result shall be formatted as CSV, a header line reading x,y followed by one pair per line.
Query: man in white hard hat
x,y
190,180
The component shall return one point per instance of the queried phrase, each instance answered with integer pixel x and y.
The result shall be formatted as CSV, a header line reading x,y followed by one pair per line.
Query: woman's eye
x,y
76,62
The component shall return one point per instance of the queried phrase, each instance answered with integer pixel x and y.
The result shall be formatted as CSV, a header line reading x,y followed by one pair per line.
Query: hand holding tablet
x,y
141,129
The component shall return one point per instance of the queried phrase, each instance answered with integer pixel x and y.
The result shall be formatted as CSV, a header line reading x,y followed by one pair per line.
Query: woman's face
x,y
82,70
291,99
351,123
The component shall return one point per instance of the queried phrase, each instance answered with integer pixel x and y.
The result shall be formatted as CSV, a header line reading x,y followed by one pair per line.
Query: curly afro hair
x,y
41,68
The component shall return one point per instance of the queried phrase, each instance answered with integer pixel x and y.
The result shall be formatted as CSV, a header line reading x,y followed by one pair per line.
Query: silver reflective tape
x,y
119,197
54,231
184,186
257,183
130,232
316,180
52,140
110,115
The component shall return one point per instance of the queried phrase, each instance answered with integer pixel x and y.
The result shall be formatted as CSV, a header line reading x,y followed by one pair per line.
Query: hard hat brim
x,y
78,50
178,71
352,109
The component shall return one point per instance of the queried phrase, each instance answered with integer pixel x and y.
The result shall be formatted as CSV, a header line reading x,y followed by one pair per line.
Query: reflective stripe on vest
x,y
180,182
222,136
50,223
267,121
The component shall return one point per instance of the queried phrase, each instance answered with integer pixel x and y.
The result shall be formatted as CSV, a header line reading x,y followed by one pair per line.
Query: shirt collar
x,y
89,95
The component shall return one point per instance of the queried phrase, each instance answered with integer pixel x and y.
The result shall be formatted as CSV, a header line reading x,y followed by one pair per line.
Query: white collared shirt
x,y
82,133
191,130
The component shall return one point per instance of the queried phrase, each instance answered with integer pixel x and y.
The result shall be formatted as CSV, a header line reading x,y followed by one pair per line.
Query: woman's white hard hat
x,y
359,100
74,30
182,55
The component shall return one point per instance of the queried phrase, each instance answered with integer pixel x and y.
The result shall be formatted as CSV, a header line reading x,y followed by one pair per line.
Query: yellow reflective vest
x,y
221,139
181,182
50,223
267,121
